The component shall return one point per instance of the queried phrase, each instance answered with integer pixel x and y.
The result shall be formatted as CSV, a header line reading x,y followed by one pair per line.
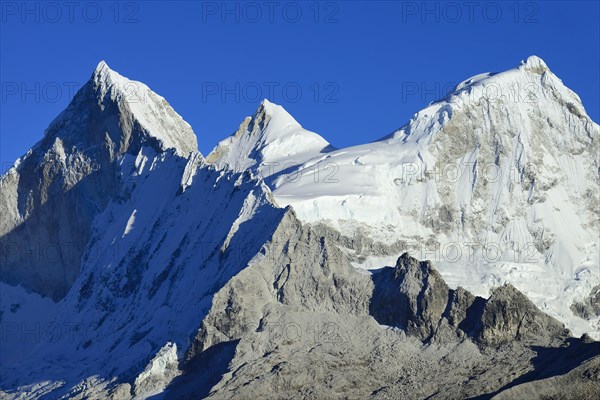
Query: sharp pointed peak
x,y
270,135
103,70
102,65
267,103
534,63
157,123
278,115
269,107
104,77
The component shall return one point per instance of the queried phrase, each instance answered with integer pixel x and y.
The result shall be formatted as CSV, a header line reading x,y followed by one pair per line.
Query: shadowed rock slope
x,y
50,197
301,322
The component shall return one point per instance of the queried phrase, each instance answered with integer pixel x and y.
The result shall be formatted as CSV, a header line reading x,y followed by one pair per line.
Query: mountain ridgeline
x,y
281,267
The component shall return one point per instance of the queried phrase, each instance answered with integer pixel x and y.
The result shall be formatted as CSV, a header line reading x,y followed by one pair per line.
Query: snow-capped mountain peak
x,y
152,271
507,160
528,88
269,142
278,116
72,173
159,123
534,63
111,110
104,77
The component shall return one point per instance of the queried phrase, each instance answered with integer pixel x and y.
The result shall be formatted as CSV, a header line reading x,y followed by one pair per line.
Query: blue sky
x,y
352,71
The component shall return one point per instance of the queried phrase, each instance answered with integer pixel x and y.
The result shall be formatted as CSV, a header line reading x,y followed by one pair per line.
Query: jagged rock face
x,y
49,199
508,315
304,323
590,306
194,283
152,266
52,196
412,296
496,183
301,268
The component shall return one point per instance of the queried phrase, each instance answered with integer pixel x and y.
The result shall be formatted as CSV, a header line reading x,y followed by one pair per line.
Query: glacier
x,y
497,183
135,267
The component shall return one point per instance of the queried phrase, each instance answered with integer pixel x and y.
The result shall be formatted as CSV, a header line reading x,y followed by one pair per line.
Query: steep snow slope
x,y
498,182
25,321
153,261
269,142
50,196
151,230
183,264
158,121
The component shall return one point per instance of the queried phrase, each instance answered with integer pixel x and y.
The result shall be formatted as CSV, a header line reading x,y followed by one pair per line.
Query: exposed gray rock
x,y
590,306
509,315
241,300
49,199
568,372
305,324
582,382
160,371
412,296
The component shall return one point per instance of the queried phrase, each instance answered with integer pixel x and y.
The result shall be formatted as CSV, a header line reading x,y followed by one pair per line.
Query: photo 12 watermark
x,y
490,91
317,332
270,12
453,172
489,252
70,12
64,91
32,333
469,12
21,252
38,92
253,92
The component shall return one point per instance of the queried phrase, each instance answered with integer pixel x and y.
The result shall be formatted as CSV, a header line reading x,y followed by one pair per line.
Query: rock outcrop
x,y
305,324
50,197
590,306
192,281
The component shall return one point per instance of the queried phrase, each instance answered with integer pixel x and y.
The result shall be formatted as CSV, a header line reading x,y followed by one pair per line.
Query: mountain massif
x,y
458,257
